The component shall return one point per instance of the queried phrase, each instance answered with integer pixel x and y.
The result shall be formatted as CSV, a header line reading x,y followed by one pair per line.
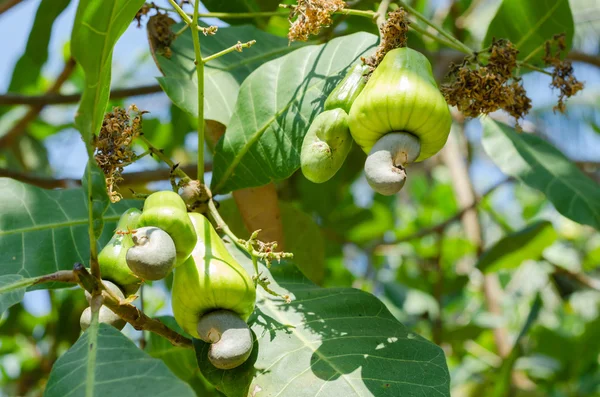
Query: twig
x,y
438,28
8,4
381,11
159,153
58,99
62,276
442,225
19,127
579,56
131,178
200,98
581,278
236,47
134,316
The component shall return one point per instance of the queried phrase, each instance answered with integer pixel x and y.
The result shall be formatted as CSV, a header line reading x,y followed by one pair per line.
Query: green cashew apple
x,y
105,315
326,145
401,99
328,142
113,265
213,297
163,225
347,90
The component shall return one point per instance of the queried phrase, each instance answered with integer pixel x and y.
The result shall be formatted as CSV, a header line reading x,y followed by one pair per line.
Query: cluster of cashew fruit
x,y
397,117
212,295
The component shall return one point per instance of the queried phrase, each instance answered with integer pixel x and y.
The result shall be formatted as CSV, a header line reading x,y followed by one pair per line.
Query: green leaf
x,y
42,231
340,341
97,27
241,6
27,71
181,361
543,167
513,249
119,367
11,292
275,106
222,76
529,24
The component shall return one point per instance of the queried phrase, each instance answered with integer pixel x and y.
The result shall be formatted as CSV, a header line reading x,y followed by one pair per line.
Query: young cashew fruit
x,y
325,146
400,98
213,296
164,238
105,315
113,265
328,142
344,94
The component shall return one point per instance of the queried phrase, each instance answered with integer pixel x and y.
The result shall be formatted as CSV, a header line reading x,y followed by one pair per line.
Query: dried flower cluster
x,y
394,34
145,10
562,75
113,145
160,34
477,89
310,16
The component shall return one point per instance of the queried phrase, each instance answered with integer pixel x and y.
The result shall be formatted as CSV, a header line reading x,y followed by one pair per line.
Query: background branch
x,y
33,112
129,179
8,4
58,99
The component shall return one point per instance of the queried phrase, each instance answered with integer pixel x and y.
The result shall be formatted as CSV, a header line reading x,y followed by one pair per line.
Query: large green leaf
x,y
528,24
9,295
181,361
119,368
222,76
97,27
240,6
543,167
275,106
512,250
28,68
328,341
42,231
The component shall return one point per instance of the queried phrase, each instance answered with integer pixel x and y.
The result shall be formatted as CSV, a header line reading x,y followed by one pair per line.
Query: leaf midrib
x,y
54,226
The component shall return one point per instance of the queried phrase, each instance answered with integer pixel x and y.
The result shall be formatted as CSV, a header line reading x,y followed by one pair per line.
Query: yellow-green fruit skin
x,y
113,266
344,94
401,96
167,211
210,279
326,146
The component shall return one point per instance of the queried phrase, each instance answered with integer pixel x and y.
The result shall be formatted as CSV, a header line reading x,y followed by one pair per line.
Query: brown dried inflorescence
x,y
113,145
145,10
310,16
562,75
394,34
160,34
477,89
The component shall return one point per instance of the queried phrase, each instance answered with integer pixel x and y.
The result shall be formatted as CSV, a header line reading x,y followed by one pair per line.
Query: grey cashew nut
x,y
230,338
153,254
105,315
385,165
